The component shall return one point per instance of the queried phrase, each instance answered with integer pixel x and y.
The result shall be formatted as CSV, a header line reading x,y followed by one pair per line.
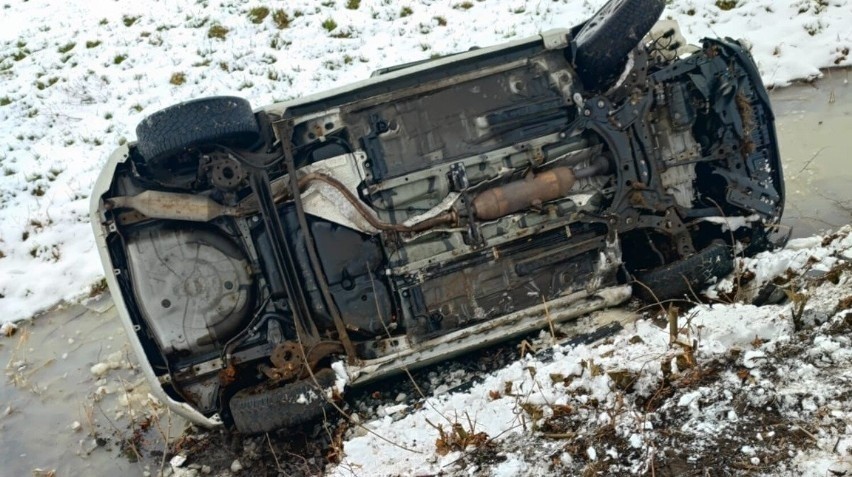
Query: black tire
x,y
255,411
681,278
218,119
605,40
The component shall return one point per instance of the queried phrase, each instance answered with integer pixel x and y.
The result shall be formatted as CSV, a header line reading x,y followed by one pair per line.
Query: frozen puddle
x,y
813,123
69,392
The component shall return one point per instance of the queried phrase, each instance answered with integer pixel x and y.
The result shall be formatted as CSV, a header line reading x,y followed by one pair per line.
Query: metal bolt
x,y
601,104
587,112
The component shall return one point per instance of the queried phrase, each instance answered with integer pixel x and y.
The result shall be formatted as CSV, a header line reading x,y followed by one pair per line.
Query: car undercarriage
x,y
436,208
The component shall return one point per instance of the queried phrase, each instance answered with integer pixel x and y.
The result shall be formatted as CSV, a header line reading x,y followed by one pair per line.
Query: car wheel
x,y
263,410
684,276
602,45
218,119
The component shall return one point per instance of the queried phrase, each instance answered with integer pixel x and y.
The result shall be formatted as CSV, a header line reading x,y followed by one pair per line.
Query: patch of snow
x,y
99,369
592,453
177,460
8,329
342,379
513,466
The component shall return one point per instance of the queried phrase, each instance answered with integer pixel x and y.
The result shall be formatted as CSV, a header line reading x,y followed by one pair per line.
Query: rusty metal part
x,y
287,361
228,375
443,219
171,206
226,173
289,358
196,208
285,130
519,195
322,350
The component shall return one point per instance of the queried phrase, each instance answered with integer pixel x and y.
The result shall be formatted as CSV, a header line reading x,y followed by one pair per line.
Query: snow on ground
x,y
761,390
78,75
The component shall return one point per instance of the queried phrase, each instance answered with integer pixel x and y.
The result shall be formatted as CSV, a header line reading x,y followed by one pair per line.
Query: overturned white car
x,y
434,208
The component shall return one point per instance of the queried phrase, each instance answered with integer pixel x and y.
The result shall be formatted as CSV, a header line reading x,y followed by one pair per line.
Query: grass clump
x,y
119,59
40,85
97,288
93,44
281,19
406,11
353,4
726,4
5,101
441,21
217,31
258,14
177,79
66,47
129,20
329,24
463,6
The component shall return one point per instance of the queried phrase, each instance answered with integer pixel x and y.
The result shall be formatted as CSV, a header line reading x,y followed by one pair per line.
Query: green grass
x,y
463,6
726,4
93,44
177,79
44,85
406,11
258,14
119,59
329,24
217,31
5,101
280,18
129,20
353,4
66,47
441,21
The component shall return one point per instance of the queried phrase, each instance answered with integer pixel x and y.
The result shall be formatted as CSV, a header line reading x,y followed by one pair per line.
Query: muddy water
x,y
814,124
49,384
57,415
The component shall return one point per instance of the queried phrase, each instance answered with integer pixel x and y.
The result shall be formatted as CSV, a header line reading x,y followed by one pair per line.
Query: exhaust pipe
x,y
515,196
